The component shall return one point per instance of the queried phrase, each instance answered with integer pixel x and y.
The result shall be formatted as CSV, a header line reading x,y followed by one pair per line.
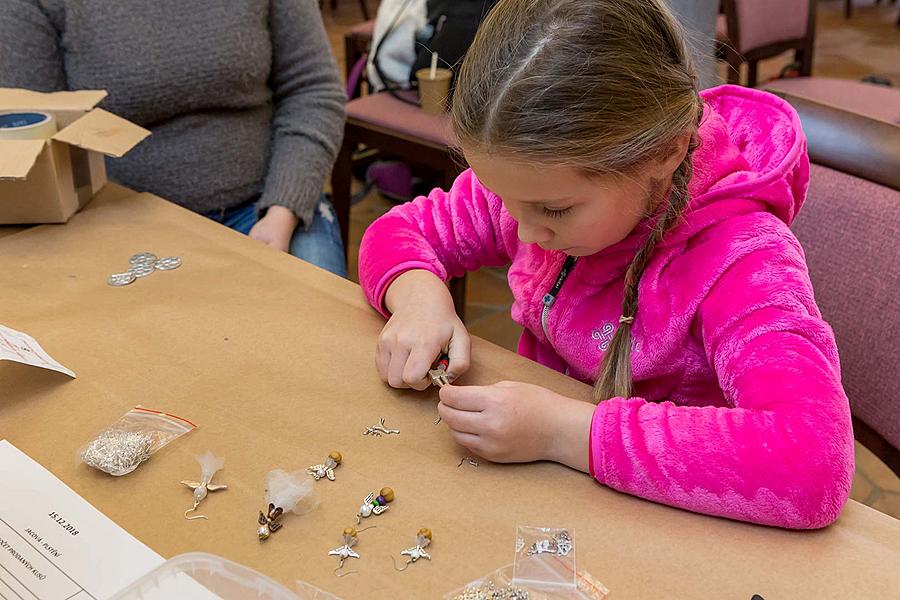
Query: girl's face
x,y
561,208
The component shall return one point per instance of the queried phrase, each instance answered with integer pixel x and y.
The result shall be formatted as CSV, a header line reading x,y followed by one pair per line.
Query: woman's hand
x,y
276,228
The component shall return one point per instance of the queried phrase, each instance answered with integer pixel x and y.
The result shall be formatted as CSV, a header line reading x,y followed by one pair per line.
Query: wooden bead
x,y
336,457
350,531
388,494
425,533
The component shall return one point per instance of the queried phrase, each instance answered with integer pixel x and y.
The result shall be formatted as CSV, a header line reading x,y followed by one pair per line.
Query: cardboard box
x,y
47,181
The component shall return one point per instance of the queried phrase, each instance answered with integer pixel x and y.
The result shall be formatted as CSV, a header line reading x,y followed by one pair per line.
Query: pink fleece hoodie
x,y
738,408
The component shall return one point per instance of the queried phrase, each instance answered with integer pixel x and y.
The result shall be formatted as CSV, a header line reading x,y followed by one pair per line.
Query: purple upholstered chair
x,y
850,232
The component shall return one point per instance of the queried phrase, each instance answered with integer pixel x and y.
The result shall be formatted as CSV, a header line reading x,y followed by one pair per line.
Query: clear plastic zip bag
x,y
123,446
544,569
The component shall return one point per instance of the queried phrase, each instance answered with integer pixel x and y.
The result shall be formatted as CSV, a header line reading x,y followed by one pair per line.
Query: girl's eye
x,y
557,214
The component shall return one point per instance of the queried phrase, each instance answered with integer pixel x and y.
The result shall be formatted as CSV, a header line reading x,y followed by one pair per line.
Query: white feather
x,y
291,491
209,464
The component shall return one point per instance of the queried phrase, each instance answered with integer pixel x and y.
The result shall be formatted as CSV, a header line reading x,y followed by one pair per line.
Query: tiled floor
x,y
868,44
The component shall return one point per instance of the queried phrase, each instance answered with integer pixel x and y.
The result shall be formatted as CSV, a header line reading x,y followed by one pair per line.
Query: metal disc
x,y
168,263
142,258
141,270
120,279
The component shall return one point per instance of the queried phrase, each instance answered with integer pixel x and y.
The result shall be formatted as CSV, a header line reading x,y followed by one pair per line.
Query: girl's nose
x,y
530,234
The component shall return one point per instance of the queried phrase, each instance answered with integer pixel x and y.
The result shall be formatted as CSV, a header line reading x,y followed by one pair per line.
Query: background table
x,y
274,360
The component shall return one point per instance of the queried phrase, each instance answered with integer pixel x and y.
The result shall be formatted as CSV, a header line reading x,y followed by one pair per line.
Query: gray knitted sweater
x,y
243,96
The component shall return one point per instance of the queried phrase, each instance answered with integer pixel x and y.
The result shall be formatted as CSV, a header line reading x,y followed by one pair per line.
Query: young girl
x,y
647,231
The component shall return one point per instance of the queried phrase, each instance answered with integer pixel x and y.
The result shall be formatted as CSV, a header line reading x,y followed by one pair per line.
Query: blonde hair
x,y
602,86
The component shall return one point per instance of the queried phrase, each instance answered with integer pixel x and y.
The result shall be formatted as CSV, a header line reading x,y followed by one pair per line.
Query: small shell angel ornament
x,y
285,492
209,465
350,538
375,503
326,469
346,551
423,539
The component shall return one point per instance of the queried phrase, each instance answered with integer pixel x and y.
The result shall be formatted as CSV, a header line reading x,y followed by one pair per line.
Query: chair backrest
x,y
755,24
354,77
846,140
849,229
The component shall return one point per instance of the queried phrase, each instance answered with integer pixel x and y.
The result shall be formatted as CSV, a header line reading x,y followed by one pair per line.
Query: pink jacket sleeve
x,y
447,233
782,452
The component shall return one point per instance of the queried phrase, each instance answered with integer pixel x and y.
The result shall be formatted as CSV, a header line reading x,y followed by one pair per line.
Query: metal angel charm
x,y
379,430
375,503
423,539
439,376
327,468
209,465
269,522
349,536
560,545
346,551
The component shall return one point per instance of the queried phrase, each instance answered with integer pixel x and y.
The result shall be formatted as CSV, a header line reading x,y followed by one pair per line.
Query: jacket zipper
x,y
549,298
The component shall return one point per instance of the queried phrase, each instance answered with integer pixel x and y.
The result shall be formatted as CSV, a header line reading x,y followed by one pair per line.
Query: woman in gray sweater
x,y
243,98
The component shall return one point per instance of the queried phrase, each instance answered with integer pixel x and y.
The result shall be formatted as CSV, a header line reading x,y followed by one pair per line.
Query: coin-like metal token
x,y
141,270
168,263
142,258
120,279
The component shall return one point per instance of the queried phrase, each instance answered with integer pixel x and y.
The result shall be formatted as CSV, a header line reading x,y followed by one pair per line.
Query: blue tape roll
x,y
30,125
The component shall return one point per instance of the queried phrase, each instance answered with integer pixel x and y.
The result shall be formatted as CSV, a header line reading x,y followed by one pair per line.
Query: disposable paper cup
x,y
433,93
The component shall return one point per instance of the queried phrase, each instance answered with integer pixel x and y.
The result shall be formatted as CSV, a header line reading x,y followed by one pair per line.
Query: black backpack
x,y
455,23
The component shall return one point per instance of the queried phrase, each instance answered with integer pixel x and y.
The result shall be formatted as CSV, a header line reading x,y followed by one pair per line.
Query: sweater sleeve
x,y
29,48
781,452
309,109
447,233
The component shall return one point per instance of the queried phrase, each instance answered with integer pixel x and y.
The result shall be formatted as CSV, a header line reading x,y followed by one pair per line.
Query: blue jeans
x,y
320,245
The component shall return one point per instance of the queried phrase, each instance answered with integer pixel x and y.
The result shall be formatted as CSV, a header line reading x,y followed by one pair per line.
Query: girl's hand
x,y
423,324
518,422
276,228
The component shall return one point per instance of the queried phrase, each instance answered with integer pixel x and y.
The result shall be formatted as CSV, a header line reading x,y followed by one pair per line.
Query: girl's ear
x,y
667,164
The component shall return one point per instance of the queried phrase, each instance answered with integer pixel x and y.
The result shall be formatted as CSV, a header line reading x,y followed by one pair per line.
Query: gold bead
x,y
350,531
425,533
336,457
387,493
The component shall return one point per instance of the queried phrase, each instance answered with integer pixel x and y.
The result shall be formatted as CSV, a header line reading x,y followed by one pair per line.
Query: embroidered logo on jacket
x,y
604,335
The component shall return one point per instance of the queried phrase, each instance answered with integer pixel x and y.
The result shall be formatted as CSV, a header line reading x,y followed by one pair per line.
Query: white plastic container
x,y
201,576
